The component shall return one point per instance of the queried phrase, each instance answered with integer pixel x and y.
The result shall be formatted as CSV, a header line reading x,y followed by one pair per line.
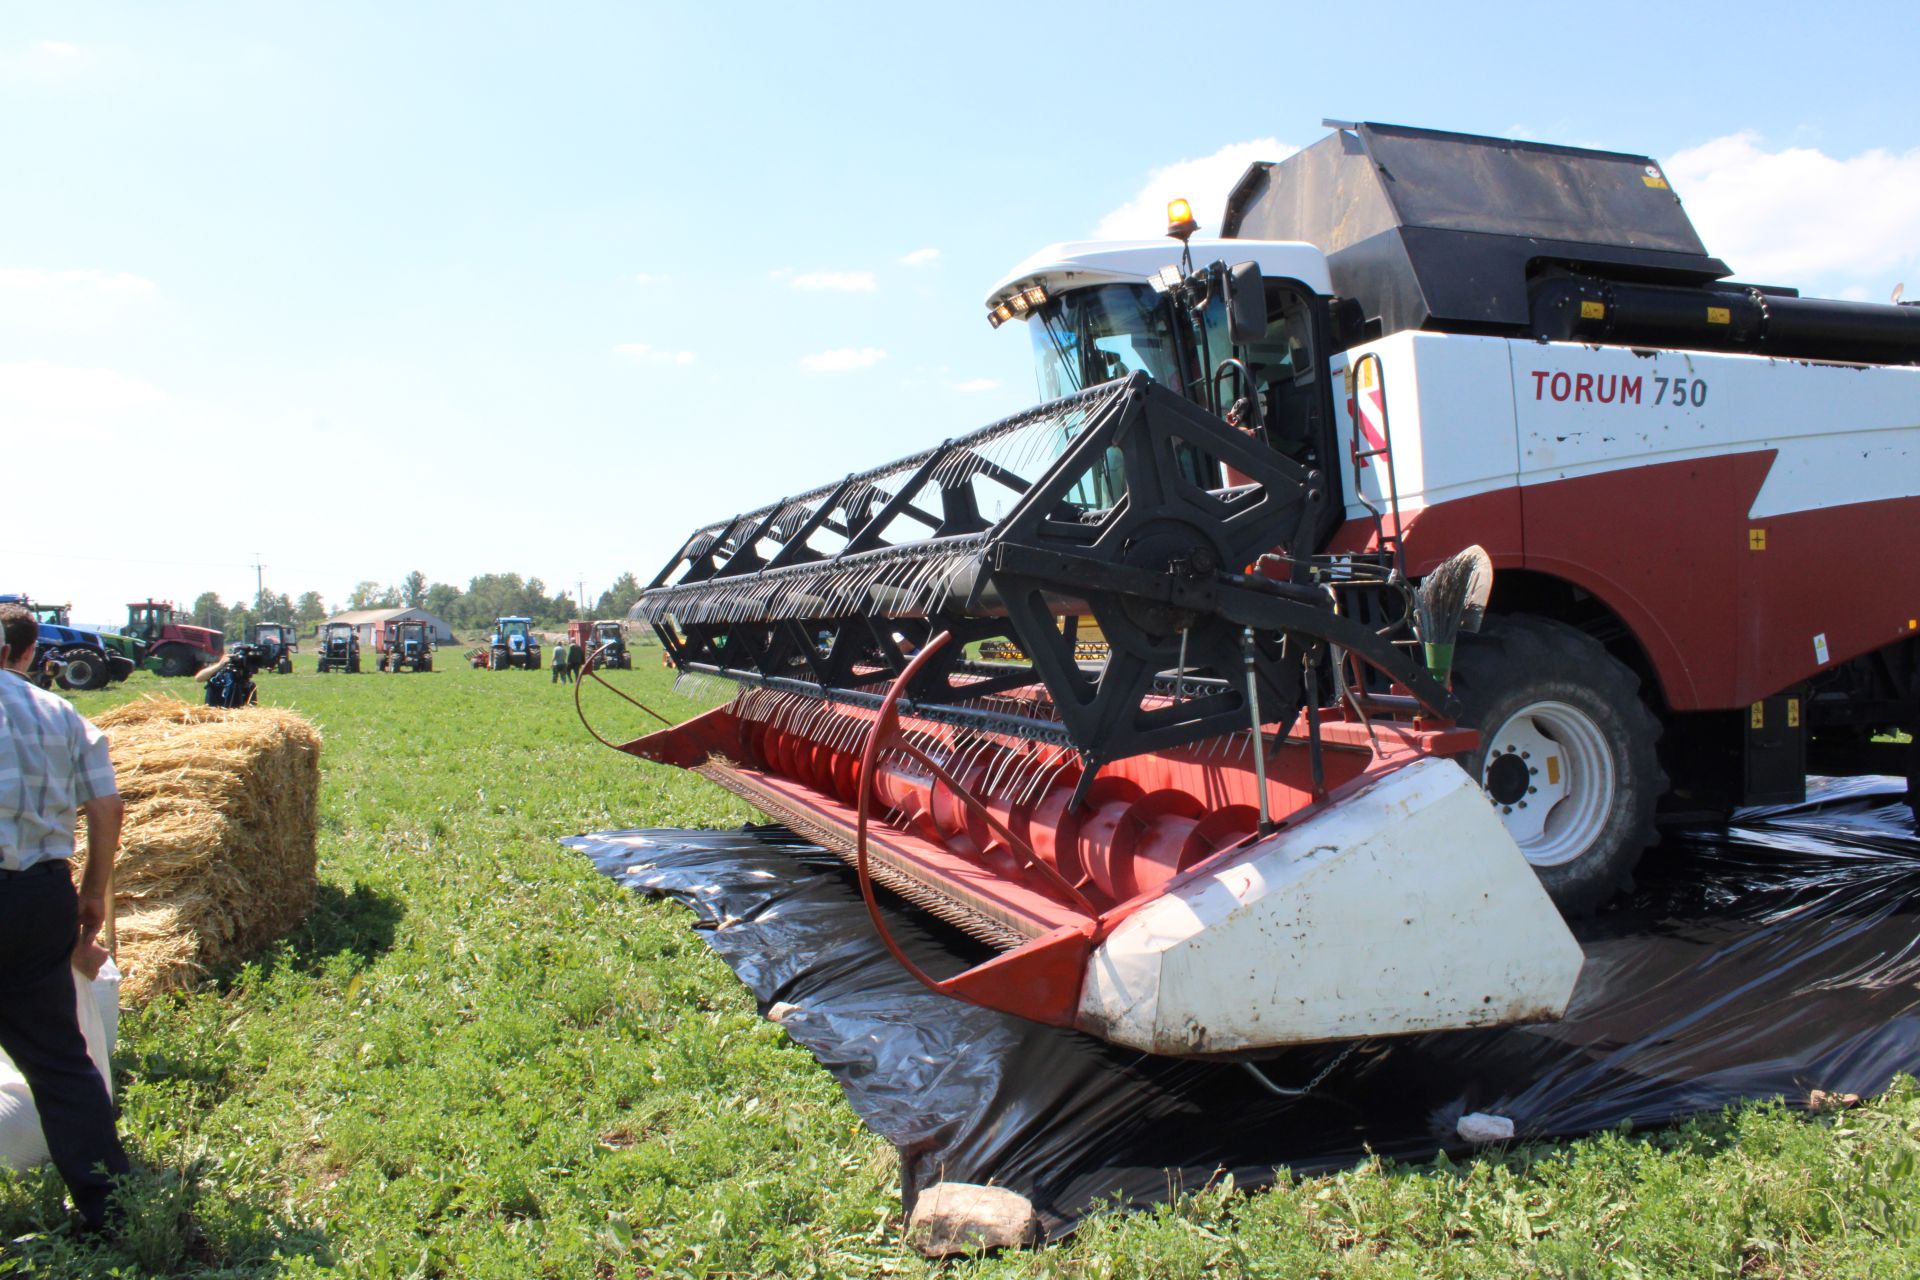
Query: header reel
x,y
1107,506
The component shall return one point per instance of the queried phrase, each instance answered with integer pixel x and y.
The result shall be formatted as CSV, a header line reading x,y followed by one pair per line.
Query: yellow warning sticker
x,y
1793,713
1593,311
1756,539
1757,716
1553,771
1719,315
1655,181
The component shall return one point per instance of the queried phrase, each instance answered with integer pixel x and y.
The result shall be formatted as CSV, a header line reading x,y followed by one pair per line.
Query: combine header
x,y
1196,846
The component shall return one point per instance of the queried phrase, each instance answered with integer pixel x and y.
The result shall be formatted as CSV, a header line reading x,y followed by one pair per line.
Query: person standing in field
x,y
53,762
560,673
576,658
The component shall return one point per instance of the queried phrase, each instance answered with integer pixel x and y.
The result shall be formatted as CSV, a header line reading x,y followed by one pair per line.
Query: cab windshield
x,y
1089,336
513,628
1085,337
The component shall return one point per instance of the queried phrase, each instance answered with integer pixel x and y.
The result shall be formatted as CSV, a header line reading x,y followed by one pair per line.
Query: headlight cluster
x,y
1017,303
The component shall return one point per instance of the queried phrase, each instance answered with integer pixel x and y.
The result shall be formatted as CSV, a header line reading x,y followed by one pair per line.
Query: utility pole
x,y
580,593
259,580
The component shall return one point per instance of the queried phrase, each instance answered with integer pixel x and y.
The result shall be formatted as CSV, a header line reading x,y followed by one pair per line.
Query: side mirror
x,y
1246,304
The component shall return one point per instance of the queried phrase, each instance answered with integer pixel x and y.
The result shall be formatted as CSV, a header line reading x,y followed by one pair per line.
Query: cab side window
x,y
1286,370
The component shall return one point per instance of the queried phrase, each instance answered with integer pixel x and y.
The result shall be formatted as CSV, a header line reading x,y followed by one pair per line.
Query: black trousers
x,y
39,923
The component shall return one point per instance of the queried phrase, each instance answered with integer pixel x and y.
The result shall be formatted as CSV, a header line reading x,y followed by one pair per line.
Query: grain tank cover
x,y
1430,230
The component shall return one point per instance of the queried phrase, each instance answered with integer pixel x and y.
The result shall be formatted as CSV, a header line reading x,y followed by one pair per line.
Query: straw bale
x,y
217,854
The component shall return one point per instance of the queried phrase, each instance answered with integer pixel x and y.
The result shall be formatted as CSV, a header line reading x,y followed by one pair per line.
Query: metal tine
x,y
850,592
794,714
917,581
846,583
1037,778
975,752
1045,775
1009,768
1019,786
819,722
845,731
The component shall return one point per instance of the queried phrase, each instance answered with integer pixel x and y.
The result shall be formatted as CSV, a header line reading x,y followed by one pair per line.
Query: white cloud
x,y
842,359
1797,216
59,49
920,258
642,353
834,281
972,385
646,279
1204,182
39,387
69,299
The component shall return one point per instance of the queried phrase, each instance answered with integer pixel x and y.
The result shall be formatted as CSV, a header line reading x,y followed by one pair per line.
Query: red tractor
x,y
169,643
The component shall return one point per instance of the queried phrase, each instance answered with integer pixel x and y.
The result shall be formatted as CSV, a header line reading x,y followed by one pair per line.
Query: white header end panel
x,y
1403,908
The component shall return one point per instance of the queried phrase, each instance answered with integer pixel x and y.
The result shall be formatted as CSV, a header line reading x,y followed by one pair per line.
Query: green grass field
x,y
481,1059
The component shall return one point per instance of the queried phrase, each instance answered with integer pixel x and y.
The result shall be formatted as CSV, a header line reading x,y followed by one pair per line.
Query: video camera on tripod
x,y
232,684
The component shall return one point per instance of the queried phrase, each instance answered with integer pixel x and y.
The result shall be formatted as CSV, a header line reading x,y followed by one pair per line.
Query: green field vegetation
x,y
481,1059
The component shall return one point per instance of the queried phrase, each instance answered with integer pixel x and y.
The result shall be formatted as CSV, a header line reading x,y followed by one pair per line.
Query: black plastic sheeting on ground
x,y
1769,959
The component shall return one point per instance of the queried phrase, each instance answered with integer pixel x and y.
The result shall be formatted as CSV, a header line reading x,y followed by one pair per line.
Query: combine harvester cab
x,y
1242,829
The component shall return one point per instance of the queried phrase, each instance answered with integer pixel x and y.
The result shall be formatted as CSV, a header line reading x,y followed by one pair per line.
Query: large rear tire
x,y
84,669
1566,753
176,661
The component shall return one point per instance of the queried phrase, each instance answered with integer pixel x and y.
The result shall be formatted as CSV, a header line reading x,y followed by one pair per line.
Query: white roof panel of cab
x,y
1075,264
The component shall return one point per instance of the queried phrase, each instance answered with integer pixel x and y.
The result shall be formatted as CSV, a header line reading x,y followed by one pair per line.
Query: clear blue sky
x,y
475,288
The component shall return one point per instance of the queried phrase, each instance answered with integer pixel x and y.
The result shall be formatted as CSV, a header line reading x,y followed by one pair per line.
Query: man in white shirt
x,y
53,762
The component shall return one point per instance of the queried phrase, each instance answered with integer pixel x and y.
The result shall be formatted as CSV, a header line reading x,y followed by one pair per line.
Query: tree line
x,y
469,609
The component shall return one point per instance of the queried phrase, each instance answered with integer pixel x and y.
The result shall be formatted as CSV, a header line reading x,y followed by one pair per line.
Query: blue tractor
x,y
513,644
67,655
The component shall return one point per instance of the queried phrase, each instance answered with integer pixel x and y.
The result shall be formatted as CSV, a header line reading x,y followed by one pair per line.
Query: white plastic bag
x,y
97,1003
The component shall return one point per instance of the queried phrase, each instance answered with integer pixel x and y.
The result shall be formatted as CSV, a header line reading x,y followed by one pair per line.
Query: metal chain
x,y
1319,1079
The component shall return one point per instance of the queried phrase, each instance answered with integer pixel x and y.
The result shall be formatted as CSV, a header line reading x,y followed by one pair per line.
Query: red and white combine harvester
x,y
1441,523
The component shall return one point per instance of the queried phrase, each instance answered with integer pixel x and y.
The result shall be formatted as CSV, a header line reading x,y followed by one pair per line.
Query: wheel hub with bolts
x,y
1549,770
